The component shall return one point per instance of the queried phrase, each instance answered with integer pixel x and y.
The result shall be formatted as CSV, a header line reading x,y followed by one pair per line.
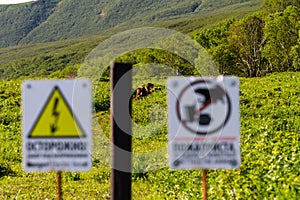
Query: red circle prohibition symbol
x,y
221,91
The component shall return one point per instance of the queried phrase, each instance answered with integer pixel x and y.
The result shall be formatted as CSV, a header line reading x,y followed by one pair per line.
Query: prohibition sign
x,y
203,107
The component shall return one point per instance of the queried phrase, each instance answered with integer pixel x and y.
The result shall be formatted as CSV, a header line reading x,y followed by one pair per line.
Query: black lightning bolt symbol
x,y
56,114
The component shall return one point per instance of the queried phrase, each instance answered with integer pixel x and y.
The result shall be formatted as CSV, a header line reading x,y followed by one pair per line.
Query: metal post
x,y
121,138
58,184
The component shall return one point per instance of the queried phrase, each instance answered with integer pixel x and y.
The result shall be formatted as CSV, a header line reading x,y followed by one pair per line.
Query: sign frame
x,y
56,125
204,122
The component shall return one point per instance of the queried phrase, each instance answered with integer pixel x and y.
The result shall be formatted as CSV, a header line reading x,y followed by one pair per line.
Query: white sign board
x,y
56,125
204,123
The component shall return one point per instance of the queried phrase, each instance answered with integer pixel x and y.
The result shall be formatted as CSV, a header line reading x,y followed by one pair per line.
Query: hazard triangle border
x,y
42,111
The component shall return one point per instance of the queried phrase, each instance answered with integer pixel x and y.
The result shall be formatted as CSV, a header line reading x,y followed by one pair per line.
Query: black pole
x,y
121,137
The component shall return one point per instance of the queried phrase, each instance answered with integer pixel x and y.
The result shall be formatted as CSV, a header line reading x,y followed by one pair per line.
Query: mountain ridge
x,y
52,20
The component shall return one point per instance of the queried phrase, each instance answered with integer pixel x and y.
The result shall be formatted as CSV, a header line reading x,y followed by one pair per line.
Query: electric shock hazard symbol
x,y
204,130
56,125
56,119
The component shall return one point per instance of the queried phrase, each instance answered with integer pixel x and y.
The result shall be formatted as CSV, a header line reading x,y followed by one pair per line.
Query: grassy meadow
x,y
270,146
269,105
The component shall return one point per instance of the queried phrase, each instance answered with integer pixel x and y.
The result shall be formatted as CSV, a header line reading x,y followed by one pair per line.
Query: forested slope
x,y
52,20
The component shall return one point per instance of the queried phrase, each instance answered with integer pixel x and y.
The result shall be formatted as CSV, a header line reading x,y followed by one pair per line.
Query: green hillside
x,y
52,20
42,59
17,21
65,19
245,39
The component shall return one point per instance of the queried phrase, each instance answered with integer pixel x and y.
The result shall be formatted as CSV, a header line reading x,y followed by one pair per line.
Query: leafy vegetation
x,y
44,59
270,124
264,42
282,36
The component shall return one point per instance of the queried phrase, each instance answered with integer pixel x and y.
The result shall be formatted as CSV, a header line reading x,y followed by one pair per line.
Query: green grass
x,y
270,144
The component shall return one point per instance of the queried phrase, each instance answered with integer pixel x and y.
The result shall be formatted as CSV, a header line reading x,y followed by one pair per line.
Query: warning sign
x,y
204,130
56,119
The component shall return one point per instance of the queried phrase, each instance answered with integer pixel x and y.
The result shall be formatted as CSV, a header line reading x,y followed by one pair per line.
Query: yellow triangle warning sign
x,y
56,119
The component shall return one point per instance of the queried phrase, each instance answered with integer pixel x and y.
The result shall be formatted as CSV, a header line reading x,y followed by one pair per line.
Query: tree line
x,y
263,42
